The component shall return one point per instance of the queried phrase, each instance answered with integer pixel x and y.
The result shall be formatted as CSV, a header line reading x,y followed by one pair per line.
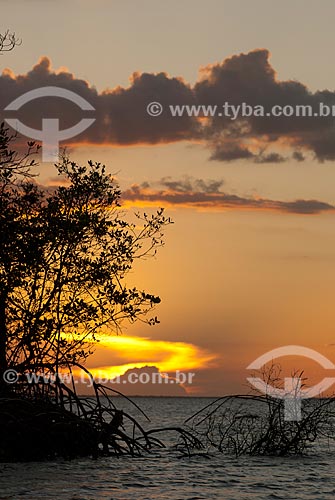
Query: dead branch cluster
x,y
8,41
47,419
257,424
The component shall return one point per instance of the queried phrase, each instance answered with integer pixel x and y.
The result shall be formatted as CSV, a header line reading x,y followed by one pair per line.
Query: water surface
x,y
164,475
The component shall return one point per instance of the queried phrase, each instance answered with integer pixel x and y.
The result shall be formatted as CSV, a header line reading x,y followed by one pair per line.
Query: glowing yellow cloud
x,y
138,352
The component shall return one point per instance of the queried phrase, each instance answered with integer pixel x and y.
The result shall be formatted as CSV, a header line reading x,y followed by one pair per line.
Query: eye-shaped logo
x,y
292,394
50,135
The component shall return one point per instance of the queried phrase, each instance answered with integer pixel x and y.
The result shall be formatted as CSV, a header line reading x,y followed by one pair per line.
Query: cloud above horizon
x,y
208,195
128,352
121,117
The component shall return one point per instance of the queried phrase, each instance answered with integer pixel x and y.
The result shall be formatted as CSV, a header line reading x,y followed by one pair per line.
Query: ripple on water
x,y
164,476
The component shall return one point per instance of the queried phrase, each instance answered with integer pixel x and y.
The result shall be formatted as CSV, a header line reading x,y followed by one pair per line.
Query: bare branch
x,y
8,41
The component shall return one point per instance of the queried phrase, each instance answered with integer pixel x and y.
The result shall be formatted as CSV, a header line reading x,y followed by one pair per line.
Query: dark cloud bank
x,y
198,193
121,117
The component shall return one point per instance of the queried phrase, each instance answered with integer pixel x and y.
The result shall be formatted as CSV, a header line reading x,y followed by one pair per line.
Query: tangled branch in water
x,y
257,424
45,420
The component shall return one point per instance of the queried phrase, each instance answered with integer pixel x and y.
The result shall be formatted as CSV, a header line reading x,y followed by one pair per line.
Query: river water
x,y
165,475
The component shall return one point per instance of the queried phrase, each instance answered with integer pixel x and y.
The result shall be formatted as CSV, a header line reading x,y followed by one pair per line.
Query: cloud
x,y
144,381
298,156
249,78
116,357
270,158
207,194
226,152
187,184
121,117
128,352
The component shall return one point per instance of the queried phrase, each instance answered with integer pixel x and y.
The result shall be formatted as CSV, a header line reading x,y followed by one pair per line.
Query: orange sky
x,y
242,272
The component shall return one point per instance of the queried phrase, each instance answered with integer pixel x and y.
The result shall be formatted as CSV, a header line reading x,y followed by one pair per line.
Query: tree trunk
x,y
3,343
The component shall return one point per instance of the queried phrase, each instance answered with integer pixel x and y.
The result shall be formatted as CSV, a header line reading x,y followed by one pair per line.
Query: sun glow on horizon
x,y
138,352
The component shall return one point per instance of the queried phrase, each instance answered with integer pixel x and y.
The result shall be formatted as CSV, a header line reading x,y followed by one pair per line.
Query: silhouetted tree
x,y
64,257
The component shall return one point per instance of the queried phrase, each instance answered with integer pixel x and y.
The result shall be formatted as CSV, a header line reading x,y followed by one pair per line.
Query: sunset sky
x,y
249,264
